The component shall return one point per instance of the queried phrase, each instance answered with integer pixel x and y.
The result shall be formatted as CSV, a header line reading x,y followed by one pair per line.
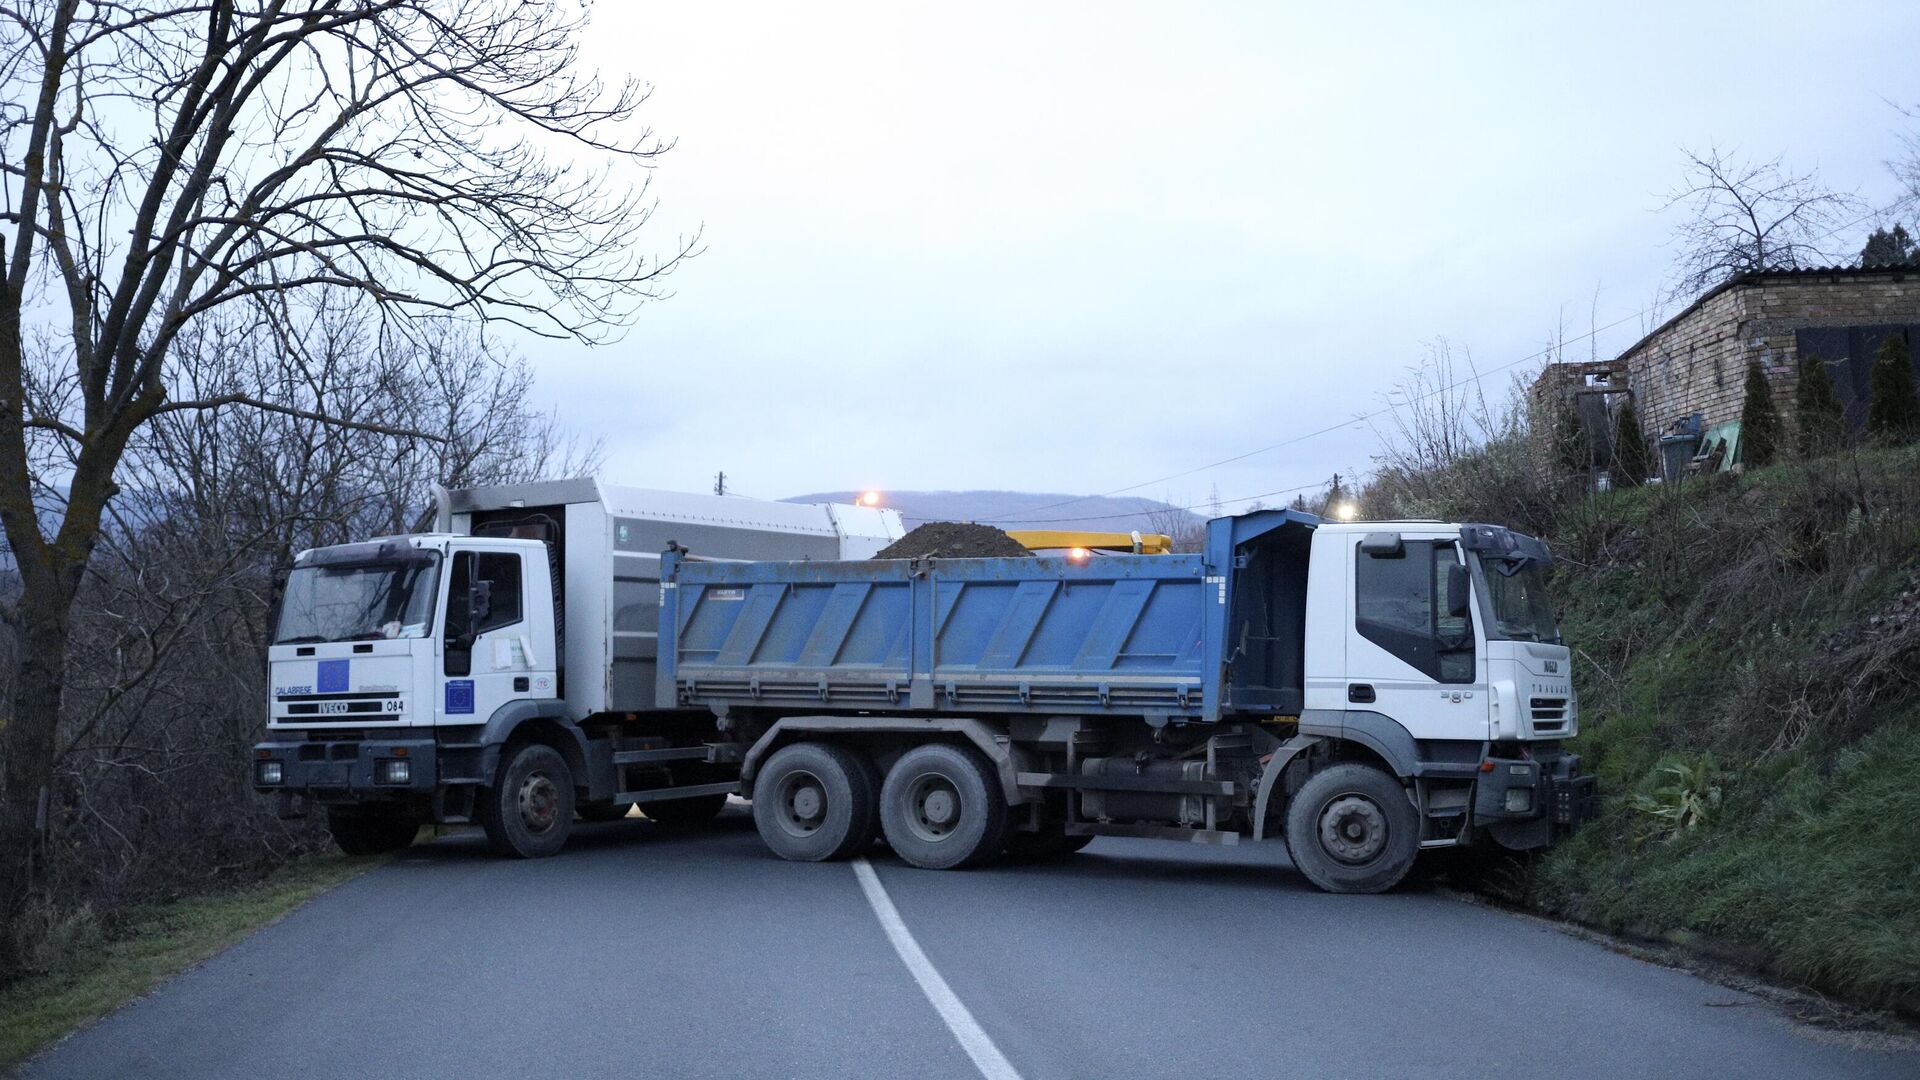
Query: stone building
x,y
1688,377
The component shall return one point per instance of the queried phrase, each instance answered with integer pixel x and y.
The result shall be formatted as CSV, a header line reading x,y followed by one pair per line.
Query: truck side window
x,y
502,573
1401,606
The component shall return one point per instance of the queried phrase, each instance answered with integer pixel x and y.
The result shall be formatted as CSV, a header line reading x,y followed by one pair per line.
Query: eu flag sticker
x,y
459,696
332,677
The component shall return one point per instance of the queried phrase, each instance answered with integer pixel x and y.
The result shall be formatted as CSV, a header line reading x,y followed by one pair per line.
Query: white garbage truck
x,y
1362,691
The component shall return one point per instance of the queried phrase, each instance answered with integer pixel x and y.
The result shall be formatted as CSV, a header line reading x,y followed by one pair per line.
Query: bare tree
x,y
1437,413
1743,217
1906,168
166,161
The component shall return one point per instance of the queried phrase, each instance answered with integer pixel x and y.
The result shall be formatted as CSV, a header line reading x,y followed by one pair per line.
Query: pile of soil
x,y
954,540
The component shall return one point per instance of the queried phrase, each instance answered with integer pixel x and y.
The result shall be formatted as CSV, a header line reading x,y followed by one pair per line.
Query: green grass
x,y
158,943
1746,650
1815,862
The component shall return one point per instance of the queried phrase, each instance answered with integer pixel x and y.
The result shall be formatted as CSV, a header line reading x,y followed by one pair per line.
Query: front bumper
x,y
1523,799
346,770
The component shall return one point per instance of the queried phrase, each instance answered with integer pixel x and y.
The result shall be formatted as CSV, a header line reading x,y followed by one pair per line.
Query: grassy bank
x,y
155,944
1748,658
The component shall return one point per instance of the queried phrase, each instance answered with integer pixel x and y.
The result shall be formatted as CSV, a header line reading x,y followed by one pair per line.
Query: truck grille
x,y
1549,714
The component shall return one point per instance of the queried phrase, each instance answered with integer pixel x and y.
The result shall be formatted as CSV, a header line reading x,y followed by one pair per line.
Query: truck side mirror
x,y
1458,598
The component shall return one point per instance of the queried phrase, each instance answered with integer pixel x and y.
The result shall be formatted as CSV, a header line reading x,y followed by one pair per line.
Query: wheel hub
x,y
934,806
1352,829
939,807
539,802
802,804
807,802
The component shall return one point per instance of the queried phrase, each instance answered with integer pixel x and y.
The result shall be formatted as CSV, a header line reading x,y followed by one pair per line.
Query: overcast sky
x,y
1054,247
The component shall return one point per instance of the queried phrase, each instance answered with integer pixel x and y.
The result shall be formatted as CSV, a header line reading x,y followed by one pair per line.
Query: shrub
x,y
1893,417
1819,423
1632,464
1759,421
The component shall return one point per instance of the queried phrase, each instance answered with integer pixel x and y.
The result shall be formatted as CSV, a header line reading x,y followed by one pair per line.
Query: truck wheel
x,y
695,811
529,810
942,809
813,802
602,811
366,830
1352,829
1050,843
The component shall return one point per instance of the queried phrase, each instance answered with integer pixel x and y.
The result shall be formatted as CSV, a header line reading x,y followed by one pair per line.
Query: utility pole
x,y
720,482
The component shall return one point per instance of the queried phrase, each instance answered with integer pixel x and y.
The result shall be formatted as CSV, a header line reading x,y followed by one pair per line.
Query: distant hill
x,y
1021,509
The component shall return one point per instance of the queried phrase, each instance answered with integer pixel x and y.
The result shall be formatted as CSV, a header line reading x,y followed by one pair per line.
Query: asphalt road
x,y
643,952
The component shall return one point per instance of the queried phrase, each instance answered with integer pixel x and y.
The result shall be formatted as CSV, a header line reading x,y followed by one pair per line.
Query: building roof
x,y
1761,277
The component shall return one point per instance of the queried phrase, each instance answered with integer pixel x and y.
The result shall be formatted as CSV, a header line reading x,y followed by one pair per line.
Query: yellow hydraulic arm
x,y
1133,543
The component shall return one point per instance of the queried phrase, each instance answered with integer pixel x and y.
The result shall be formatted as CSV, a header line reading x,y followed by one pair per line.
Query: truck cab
x,y
499,670
379,651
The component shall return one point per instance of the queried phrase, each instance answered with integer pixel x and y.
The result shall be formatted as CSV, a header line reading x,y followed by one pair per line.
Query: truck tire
x,y
371,830
1050,843
698,810
941,808
1352,829
813,802
602,811
528,813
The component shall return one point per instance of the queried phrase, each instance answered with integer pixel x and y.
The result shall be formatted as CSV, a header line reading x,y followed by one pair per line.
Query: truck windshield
x,y
358,602
1517,602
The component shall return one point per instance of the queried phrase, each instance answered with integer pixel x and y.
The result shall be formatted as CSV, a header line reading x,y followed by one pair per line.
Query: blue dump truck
x,y
1362,692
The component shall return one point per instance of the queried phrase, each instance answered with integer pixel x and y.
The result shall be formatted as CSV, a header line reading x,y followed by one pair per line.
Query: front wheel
x,y
1352,829
371,830
528,812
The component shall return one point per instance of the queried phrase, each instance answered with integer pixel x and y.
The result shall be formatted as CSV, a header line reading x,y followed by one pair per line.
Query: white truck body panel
x,y
612,539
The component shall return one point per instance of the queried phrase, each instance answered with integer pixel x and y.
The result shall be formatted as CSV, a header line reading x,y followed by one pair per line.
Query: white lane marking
x,y
972,1037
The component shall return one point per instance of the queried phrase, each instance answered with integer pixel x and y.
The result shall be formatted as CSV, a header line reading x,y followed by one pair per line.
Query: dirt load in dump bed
x,y
953,540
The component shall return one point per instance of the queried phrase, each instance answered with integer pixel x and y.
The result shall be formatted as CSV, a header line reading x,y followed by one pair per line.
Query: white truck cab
x,y
413,630
1454,641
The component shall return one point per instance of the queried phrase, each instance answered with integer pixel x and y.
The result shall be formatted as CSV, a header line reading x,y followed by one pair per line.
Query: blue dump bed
x,y
1201,636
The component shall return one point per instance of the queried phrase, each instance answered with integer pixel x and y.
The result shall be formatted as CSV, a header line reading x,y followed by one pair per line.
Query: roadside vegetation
x,y
1746,643
1747,654
114,964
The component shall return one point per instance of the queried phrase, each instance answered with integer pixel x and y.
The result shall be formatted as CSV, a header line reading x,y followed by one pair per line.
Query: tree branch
x,y
225,400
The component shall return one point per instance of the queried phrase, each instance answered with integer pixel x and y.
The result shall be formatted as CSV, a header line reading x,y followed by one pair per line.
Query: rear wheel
x,y
813,802
942,809
528,812
695,811
371,830
1352,829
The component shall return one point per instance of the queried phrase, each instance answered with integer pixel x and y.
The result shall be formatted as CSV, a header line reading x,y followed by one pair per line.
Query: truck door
x,y
487,638
1411,641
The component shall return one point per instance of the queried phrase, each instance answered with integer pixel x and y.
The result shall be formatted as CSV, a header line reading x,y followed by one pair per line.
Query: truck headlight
x,y
270,772
394,771
1519,800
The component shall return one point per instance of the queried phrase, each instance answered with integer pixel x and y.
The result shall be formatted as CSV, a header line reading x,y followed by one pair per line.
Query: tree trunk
x,y
27,745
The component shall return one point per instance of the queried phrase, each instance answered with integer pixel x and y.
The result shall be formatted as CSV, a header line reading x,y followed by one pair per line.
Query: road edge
x,y
40,1012
1817,1016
